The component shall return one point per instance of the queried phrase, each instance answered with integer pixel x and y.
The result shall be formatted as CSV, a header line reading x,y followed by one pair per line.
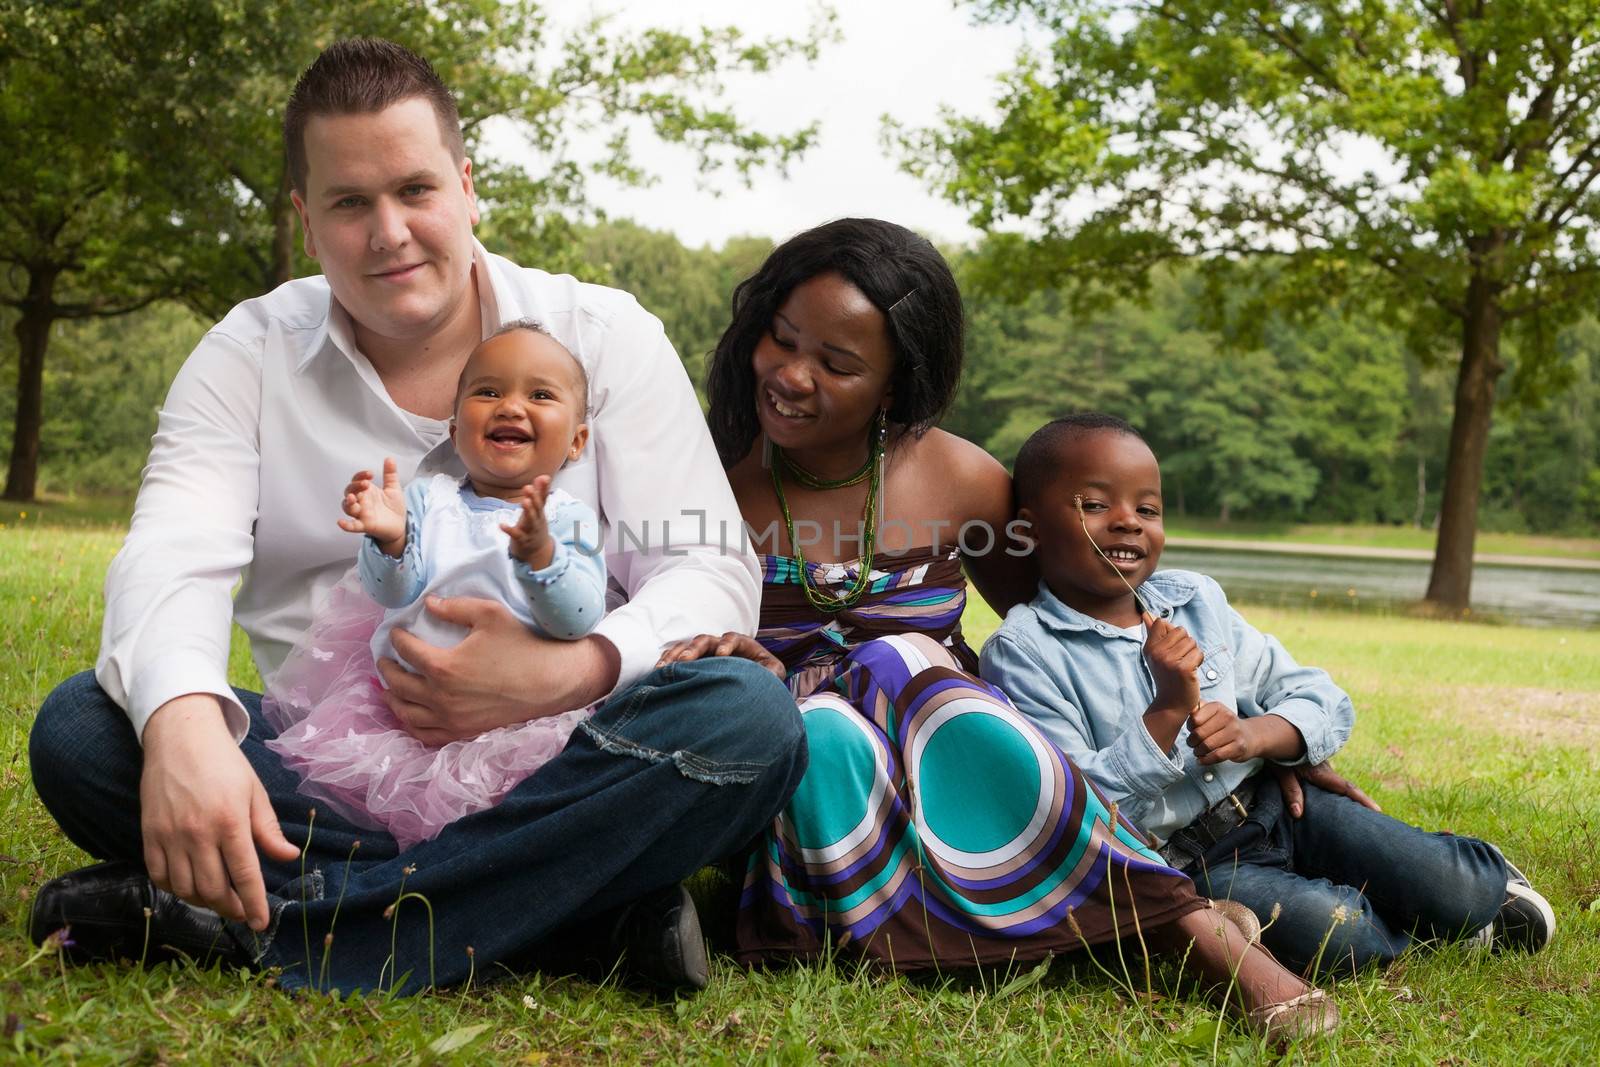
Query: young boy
x,y
1174,704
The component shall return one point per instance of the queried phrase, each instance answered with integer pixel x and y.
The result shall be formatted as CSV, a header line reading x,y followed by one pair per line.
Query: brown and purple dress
x,y
935,825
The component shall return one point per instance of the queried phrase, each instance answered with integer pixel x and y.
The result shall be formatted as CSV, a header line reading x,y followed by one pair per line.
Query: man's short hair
x,y
1040,454
362,76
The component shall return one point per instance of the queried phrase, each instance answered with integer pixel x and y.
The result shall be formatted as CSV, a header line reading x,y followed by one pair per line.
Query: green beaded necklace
x,y
873,469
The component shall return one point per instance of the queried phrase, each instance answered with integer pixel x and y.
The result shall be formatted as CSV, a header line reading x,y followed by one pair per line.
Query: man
x,y
262,426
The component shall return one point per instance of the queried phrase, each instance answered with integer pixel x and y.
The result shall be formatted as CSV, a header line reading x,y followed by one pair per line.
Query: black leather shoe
x,y
111,911
660,941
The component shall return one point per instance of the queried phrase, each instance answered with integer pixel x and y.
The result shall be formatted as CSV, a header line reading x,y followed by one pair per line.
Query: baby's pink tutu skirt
x,y
336,732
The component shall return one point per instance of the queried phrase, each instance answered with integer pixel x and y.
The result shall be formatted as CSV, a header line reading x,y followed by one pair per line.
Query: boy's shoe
x,y
1525,921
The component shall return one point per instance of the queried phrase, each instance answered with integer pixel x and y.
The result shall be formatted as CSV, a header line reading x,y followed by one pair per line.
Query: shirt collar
x,y
1162,593
338,333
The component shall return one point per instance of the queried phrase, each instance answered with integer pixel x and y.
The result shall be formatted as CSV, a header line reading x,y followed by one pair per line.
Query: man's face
x,y
388,212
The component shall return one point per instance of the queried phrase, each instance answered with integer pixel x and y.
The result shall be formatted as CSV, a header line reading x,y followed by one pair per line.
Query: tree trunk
x,y
1450,583
282,235
1422,490
33,336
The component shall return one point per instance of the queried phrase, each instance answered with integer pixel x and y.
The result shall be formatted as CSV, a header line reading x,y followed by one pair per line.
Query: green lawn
x,y
1479,729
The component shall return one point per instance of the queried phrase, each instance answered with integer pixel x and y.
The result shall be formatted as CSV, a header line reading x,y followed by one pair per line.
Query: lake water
x,y
1529,596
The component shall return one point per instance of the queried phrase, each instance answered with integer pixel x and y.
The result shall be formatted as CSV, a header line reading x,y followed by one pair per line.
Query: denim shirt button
x,y
1211,675
1210,776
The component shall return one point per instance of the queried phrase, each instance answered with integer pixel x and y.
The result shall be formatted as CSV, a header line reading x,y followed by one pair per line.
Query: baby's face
x,y
1119,482
520,412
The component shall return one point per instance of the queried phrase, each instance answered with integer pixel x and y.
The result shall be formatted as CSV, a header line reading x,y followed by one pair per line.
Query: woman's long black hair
x,y
903,275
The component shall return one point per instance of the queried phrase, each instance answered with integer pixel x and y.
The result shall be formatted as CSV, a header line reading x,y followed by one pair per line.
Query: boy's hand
x,y
1218,734
1173,658
530,536
377,510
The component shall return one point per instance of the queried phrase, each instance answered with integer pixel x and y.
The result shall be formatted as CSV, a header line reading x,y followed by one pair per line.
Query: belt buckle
x,y
1238,805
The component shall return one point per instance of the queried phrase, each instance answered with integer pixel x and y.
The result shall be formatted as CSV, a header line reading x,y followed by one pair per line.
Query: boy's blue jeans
x,y
1393,883
676,772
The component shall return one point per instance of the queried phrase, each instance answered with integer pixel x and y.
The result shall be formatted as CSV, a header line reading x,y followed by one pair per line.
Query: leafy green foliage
x,y
147,140
1432,165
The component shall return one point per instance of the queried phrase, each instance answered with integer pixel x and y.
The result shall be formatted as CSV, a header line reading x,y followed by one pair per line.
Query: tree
x,y
148,140
86,227
1432,159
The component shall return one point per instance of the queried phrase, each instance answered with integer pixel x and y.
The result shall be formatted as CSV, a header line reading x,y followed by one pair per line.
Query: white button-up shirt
x,y
276,407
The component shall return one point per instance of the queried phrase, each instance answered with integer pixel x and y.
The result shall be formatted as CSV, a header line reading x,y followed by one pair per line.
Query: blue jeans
x,y
1355,886
676,772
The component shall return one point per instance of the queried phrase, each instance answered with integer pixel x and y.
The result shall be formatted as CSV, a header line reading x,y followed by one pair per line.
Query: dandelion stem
x,y
305,920
327,944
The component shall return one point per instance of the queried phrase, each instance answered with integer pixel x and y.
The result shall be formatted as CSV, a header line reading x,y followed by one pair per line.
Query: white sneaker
x,y
1525,921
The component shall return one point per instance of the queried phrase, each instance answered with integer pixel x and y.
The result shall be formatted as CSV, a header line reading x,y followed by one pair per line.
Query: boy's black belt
x,y
1187,845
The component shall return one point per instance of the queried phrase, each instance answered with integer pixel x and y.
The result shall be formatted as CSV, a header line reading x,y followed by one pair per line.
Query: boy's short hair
x,y
532,326
1040,454
364,75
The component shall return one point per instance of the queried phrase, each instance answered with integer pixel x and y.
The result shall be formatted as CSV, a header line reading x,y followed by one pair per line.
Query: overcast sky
x,y
903,57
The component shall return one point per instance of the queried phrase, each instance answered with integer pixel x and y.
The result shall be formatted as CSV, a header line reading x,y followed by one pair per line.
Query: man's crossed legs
x,y
678,771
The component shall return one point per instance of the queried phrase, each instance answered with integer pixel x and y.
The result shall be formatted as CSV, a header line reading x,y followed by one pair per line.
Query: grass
x,y
1373,536
1487,730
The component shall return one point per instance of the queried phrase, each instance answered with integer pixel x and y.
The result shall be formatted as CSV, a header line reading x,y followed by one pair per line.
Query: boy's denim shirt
x,y
1087,686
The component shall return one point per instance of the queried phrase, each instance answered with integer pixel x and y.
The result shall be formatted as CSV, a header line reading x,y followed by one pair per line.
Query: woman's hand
x,y
377,510
732,643
1324,777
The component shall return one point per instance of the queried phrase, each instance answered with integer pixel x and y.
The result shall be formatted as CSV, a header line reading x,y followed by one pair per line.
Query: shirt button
x,y
1211,675
1210,776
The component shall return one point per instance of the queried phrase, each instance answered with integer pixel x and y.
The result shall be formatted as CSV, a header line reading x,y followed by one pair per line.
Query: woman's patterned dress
x,y
935,825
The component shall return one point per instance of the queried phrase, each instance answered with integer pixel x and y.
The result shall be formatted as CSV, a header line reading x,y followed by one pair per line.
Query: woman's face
x,y
823,367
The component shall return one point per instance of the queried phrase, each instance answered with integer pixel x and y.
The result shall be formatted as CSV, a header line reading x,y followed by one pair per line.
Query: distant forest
x,y
1323,419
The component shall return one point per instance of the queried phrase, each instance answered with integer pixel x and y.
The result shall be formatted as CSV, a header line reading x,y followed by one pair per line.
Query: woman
x,y
935,826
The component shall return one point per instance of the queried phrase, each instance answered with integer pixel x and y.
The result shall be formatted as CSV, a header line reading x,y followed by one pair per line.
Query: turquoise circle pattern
x,y
978,805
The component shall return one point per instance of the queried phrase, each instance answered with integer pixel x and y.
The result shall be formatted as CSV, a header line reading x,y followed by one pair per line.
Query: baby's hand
x,y
379,511
530,537
1173,658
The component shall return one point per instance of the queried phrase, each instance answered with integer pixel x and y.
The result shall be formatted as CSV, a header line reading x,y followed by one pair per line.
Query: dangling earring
x,y
766,451
883,451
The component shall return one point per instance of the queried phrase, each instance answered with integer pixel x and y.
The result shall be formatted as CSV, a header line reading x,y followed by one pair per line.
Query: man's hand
x,y
530,537
1173,657
201,808
501,673
377,510
1324,777
732,643
1218,734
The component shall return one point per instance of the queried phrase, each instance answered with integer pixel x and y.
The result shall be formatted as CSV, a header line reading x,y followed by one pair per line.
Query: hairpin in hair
x,y
902,300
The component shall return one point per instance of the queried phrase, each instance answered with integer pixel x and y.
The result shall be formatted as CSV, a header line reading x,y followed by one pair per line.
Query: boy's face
x,y
1119,480
520,412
